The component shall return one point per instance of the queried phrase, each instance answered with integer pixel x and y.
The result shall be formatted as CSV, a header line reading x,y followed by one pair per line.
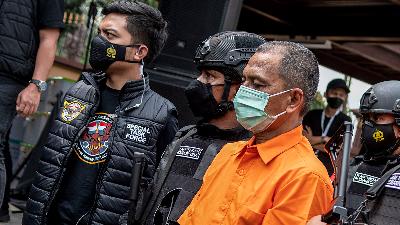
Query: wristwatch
x,y
41,85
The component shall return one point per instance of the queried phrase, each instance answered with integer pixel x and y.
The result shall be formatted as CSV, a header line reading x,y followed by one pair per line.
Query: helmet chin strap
x,y
224,106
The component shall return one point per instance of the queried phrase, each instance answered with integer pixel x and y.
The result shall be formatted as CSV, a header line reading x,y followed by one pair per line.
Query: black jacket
x,y
113,183
19,38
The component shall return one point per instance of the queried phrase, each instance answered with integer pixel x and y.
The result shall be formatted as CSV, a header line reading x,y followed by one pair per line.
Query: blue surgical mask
x,y
249,107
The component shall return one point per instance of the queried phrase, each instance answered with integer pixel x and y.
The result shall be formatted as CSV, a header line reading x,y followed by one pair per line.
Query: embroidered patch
x,y
137,133
111,52
93,144
365,179
394,181
378,135
71,110
189,152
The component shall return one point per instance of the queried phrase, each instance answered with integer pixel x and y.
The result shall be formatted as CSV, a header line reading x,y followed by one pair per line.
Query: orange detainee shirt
x,y
277,182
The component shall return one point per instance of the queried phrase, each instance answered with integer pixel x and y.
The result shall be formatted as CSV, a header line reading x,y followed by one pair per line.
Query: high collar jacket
x,y
113,183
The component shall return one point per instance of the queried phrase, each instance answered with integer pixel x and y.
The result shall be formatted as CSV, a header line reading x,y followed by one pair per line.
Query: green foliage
x,y
77,5
318,102
72,33
73,5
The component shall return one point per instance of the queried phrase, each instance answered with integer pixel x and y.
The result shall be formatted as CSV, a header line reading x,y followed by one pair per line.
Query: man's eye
x,y
109,35
258,85
209,77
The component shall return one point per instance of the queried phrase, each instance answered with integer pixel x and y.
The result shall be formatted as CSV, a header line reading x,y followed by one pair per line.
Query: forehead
x,y
337,90
114,21
263,65
381,116
212,72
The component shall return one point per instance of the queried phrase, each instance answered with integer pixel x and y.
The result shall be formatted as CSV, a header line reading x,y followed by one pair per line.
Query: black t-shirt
x,y
313,120
50,13
77,192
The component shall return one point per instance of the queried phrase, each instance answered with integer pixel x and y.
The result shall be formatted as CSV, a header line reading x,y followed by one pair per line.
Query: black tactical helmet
x,y
228,52
382,97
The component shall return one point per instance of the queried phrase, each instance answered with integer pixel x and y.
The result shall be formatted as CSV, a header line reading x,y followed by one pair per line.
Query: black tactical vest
x,y
182,168
385,210
365,176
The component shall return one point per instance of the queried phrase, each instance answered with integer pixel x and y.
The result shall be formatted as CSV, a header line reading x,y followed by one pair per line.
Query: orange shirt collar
x,y
275,146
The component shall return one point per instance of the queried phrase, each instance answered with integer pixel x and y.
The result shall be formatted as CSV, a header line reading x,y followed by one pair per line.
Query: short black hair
x,y
298,68
145,24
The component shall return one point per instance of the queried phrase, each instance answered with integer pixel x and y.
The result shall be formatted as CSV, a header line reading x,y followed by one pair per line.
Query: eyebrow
x,y
256,76
108,30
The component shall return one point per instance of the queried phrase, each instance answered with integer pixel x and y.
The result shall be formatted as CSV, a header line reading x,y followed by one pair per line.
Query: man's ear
x,y
137,53
396,130
296,100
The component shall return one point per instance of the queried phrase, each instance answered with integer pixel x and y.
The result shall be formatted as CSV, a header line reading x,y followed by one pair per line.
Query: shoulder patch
x,y
365,179
137,132
71,110
189,152
394,181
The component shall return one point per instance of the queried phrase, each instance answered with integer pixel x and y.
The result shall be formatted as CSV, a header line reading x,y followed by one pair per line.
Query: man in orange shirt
x,y
274,178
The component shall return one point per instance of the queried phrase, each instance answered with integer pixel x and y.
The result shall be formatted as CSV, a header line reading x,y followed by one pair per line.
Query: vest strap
x,y
376,189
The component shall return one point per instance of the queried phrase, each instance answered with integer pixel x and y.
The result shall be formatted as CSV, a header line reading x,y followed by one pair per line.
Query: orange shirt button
x,y
190,212
241,172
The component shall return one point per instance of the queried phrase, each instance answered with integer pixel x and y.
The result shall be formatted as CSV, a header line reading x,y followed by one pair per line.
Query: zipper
x,y
82,217
52,193
93,203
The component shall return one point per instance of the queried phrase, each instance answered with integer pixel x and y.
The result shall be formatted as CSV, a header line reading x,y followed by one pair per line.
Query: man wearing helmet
x,y
220,59
378,175
273,178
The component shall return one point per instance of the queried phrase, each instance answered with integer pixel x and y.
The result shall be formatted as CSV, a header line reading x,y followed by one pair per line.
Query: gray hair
x,y
298,68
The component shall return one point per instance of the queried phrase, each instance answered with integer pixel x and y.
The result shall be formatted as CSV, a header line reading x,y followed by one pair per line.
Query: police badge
x,y
71,110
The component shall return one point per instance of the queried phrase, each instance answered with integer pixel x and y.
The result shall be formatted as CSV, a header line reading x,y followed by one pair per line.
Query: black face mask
x,y
103,53
334,102
378,139
201,100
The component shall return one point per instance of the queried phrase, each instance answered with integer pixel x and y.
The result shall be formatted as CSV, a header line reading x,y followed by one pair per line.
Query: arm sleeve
x,y
302,198
50,14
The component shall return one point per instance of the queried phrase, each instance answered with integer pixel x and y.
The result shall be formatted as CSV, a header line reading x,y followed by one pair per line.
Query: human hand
x,y
325,140
28,100
307,132
316,220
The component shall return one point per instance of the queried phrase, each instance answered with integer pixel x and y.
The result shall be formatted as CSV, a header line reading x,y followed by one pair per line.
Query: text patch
x,y
365,179
137,133
189,152
394,181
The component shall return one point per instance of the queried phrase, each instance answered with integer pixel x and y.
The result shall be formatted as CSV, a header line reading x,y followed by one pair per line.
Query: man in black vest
x,y
220,59
378,175
86,166
29,32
